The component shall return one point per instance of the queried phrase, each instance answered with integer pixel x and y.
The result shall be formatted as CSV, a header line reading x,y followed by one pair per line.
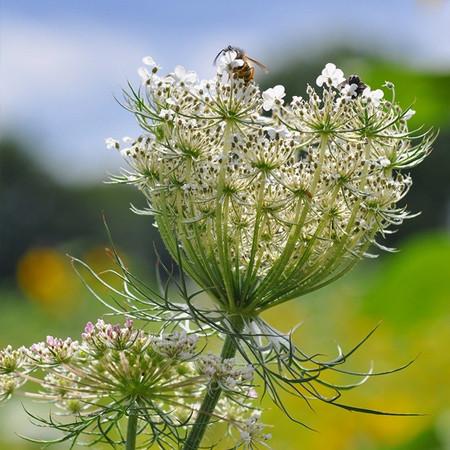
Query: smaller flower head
x,y
100,388
178,346
8,385
53,351
252,432
225,372
11,360
102,336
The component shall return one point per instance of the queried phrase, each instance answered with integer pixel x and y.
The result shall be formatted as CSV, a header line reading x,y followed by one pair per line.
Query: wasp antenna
x,y
217,56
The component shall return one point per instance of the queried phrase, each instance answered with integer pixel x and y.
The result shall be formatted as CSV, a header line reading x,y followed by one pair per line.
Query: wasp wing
x,y
260,65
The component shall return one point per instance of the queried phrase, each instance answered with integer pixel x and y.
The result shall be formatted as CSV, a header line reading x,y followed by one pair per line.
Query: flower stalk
x,y
131,431
209,403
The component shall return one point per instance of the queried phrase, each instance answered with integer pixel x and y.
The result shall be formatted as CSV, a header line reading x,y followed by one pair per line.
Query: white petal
x,y
329,69
111,143
236,63
148,61
180,72
268,94
191,77
279,91
143,73
378,94
339,74
366,92
268,105
409,114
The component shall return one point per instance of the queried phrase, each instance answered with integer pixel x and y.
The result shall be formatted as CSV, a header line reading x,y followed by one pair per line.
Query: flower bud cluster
x,y
224,372
244,424
9,383
11,360
103,336
253,432
178,345
53,351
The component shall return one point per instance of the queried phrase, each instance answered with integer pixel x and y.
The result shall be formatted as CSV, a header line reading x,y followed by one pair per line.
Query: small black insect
x,y
354,79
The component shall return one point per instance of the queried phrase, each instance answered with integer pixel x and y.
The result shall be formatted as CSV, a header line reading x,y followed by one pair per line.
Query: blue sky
x,y
61,62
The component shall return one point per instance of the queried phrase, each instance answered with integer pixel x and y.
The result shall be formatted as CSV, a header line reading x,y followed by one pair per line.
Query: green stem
x,y
131,431
209,403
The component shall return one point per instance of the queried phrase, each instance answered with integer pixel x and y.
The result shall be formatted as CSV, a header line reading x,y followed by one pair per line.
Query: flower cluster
x,y
244,424
53,351
263,209
253,432
177,345
8,385
103,336
11,360
117,371
224,372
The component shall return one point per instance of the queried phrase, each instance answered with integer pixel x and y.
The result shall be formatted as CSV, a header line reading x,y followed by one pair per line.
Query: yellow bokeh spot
x,y
103,262
46,277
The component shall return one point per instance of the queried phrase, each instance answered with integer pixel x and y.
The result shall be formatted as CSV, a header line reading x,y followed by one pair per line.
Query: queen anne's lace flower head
x,y
263,209
116,371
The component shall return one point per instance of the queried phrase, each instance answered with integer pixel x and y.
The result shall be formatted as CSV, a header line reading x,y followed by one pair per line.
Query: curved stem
x,y
131,431
209,402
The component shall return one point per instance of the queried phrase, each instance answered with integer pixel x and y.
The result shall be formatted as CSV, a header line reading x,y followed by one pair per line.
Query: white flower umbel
x,y
264,209
117,374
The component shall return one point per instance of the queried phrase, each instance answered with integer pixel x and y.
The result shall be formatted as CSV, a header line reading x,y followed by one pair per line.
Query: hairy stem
x,y
209,403
131,431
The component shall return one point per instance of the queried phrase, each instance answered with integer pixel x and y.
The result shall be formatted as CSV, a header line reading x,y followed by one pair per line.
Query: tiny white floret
x,y
331,76
272,96
373,96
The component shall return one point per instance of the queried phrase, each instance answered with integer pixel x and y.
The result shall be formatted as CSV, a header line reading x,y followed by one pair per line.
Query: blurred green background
x,y
52,197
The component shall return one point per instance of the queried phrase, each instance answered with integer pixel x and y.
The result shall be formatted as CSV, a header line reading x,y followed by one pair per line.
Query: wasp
x,y
247,71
